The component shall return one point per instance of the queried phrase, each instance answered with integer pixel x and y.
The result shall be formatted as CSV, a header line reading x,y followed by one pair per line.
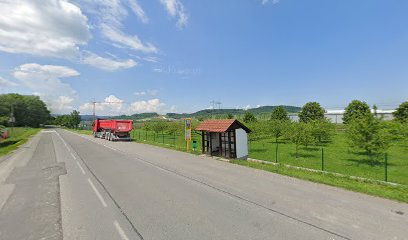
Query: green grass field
x,y
18,136
337,158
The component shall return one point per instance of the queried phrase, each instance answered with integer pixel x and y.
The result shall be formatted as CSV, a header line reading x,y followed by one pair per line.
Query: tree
x,y
356,109
27,110
74,119
249,117
322,130
230,116
279,113
401,114
277,128
158,126
300,133
398,132
368,134
311,111
174,128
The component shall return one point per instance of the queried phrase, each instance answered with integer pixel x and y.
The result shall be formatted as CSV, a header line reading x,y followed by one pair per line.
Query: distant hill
x,y
136,117
207,113
236,112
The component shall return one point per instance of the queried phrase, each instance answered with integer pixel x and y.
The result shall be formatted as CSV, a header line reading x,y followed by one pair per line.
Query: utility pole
x,y
93,110
12,119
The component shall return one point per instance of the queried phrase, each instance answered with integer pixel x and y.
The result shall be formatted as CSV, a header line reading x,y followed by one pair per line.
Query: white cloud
x,y
176,10
124,40
42,27
151,92
45,81
152,105
138,10
113,105
273,1
151,59
140,93
7,83
109,16
110,106
247,107
107,64
61,104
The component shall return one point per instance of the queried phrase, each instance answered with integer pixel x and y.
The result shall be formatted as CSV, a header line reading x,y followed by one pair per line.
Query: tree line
x,y
25,110
71,120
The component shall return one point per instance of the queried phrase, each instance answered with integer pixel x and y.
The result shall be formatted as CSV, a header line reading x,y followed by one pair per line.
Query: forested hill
x,y
200,114
216,112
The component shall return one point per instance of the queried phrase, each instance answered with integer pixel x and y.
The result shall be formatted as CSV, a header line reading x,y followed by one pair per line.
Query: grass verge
x,y
18,136
398,192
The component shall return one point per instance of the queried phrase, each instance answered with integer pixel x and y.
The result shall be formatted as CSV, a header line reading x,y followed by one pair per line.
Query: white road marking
x,y
80,167
114,149
73,156
48,131
120,231
97,193
63,141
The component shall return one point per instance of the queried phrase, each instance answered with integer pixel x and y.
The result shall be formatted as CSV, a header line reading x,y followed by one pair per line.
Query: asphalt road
x,y
65,185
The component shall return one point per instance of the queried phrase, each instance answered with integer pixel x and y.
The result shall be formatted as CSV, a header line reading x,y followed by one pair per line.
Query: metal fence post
x,y
322,159
276,159
386,166
163,137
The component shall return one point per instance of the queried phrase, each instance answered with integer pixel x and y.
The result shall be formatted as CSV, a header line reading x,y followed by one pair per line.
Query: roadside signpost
x,y
187,130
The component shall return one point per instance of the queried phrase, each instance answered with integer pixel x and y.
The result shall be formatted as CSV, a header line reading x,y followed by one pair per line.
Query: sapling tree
x,y
322,130
356,109
401,114
279,113
249,117
368,134
300,133
311,111
277,128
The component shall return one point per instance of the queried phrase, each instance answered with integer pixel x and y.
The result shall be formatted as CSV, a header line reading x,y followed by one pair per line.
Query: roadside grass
x,y
397,192
18,136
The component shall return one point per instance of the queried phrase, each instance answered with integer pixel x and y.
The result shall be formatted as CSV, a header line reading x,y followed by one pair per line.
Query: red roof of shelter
x,y
220,125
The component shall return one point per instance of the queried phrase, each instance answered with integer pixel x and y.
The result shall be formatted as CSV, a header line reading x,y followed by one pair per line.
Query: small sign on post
x,y
188,129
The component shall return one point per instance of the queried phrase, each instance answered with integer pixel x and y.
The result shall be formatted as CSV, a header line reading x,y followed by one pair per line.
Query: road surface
x,y
62,185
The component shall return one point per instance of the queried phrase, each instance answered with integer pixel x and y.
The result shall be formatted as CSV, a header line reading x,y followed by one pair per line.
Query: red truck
x,y
112,129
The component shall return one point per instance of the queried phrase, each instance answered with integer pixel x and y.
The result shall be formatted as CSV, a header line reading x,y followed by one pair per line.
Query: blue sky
x,y
178,55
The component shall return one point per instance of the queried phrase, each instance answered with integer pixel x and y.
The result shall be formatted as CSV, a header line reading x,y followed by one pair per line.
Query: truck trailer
x,y
112,129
